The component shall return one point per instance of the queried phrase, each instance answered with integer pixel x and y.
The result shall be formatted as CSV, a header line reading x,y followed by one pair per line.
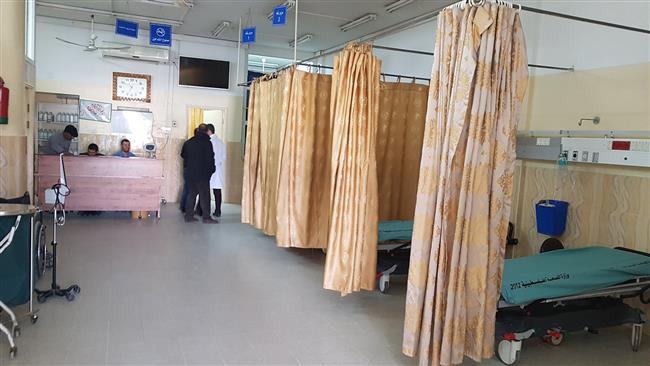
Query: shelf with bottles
x,y
50,117
58,113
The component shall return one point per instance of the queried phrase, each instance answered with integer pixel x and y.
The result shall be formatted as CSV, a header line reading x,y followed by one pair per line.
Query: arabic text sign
x,y
280,15
126,28
248,35
160,34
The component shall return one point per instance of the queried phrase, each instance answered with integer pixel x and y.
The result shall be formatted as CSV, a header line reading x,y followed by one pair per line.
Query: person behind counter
x,y
125,149
60,142
93,150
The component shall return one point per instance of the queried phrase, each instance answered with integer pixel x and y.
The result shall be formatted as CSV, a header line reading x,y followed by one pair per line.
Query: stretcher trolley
x,y
551,294
393,251
16,266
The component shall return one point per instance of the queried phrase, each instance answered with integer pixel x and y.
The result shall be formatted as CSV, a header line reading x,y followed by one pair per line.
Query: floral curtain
x,y
354,109
272,97
251,156
261,160
402,111
303,188
466,178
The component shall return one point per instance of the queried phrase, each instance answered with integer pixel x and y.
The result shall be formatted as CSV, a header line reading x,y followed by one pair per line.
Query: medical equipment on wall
x,y
56,197
589,147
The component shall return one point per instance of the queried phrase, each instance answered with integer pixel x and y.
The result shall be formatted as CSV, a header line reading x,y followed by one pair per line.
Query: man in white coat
x,y
216,181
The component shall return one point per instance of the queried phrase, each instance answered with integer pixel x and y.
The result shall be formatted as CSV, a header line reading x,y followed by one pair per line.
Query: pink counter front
x,y
104,183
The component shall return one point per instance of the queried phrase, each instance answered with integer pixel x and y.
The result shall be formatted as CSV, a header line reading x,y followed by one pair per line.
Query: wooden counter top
x,y
104,183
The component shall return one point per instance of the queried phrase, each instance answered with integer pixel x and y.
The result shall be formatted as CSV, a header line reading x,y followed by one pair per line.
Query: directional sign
x,y
280,15
126,28
248,35
160,34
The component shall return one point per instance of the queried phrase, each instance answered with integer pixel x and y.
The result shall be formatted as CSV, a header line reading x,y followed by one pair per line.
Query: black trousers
x,y
202,189
217,201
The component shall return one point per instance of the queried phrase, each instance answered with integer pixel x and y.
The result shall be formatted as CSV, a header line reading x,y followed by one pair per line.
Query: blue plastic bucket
x,y
551,217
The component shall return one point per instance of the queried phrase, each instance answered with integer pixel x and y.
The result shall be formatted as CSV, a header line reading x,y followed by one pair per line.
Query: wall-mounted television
x,y
204,73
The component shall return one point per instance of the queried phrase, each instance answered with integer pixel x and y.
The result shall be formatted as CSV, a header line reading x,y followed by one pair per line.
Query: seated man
x,y
60,142
125,149
93,150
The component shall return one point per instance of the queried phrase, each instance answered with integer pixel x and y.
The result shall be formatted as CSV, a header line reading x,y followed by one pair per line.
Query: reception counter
x,y
104,183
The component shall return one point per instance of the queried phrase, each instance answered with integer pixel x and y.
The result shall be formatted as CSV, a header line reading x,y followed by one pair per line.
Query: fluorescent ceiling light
x,y
301,40
395,6
161,2
289,4
220,28
357,22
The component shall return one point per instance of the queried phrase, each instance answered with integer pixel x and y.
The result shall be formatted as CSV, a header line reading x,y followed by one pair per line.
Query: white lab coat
x,y
216,181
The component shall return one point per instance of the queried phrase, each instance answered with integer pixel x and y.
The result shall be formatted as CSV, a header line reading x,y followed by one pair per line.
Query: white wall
x,y
65,68
550,40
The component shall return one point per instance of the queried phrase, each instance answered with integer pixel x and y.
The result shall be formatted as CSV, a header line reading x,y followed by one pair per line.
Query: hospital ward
x,y
325,182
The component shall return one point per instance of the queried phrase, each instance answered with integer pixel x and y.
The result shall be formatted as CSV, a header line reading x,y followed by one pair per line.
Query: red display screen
x,y
621,145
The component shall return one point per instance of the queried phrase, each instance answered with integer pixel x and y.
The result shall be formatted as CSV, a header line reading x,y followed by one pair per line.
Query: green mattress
x,y
395,230
569,272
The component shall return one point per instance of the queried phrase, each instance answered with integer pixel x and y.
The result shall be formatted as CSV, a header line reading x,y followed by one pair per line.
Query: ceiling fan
x,y
91,46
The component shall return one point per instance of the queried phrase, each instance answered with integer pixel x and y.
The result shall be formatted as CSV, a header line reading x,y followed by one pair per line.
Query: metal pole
x,y
295,36
585,20
239,49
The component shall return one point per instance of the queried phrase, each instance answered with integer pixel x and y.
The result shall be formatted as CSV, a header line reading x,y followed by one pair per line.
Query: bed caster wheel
x,y
554,337
69,296
76,289
637,332
16,331
508,351
34,318
12,352
384,284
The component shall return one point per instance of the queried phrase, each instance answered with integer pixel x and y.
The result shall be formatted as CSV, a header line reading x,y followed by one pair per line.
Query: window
x,y
30,26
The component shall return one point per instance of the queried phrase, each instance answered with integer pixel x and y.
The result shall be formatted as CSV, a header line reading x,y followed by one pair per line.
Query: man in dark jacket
x,y
198,157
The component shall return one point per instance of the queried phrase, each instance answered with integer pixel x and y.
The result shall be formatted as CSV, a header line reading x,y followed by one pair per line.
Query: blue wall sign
x,y
280,15
160,34
248,35
126,28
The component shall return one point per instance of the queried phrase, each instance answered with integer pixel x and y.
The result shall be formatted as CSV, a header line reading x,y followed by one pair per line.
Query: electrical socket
x,y
174,124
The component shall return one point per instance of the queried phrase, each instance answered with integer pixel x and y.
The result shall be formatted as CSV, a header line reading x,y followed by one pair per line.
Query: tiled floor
x,y
186,294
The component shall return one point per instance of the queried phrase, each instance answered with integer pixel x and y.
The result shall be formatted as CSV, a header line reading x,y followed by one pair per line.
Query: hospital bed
x,y
393,251
550,294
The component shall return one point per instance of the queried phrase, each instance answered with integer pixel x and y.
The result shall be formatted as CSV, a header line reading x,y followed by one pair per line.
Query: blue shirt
x,y
121,154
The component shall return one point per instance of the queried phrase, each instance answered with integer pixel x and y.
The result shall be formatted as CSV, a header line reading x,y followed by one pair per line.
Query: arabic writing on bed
x,y
525,284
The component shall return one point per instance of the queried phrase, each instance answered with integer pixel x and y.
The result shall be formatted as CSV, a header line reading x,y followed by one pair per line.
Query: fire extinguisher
x,y
4,103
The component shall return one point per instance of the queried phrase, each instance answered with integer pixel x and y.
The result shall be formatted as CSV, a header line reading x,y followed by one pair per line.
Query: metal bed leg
x,y
637,334
15,331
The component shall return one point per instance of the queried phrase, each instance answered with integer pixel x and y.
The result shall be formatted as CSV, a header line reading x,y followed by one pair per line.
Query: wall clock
x,y
132,87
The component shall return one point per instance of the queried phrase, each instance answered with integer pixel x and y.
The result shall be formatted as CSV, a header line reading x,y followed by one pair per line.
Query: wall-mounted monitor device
x,y
204,73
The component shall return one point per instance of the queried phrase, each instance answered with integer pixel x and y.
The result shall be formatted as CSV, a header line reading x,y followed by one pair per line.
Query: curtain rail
x,y
332,68
524,8
431,54
585,20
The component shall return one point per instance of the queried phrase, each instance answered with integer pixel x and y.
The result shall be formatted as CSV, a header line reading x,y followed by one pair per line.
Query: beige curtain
x,y
261,162
402,111
466,179
272,94
352,241
303,188
194,119
251,156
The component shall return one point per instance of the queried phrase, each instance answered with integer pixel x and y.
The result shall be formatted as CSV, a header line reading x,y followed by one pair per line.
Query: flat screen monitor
x,y
204,73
